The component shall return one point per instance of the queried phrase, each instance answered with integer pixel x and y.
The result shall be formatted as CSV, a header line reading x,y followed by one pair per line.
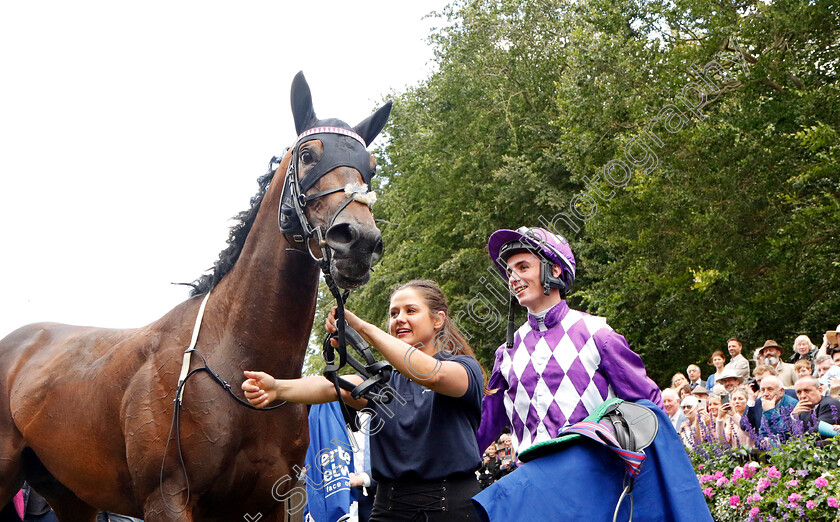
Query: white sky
x,y
131,132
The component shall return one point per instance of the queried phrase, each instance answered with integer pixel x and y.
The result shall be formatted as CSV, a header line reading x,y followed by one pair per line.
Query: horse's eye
x,y
306,156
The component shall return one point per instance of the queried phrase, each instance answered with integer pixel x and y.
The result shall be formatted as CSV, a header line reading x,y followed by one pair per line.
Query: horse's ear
x,y
370,128
302,109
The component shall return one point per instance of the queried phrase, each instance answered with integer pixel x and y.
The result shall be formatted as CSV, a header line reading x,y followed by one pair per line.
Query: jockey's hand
x,y
259,388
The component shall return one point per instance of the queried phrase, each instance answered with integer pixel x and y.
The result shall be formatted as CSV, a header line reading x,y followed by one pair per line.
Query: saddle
x,y
617,424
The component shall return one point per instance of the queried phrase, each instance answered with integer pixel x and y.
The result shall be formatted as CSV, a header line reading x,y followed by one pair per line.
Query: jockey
x,y
560,365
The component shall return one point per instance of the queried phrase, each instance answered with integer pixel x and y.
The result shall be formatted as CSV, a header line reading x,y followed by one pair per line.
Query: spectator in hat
x,y
831,342
813,409
772,354
738,363
694,379
701,393
804,349
718,361
729,379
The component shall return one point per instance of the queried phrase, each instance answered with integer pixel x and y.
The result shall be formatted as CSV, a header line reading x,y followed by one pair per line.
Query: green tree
x,y
688,150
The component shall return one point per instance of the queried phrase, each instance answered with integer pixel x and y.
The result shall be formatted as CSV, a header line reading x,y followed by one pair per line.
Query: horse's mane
x,y
236,240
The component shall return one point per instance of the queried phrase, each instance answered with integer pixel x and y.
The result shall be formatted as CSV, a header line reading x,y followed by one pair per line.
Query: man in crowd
x,y
770,416
729,379
813,409
671,400
693,372
772,354
738,363
823,362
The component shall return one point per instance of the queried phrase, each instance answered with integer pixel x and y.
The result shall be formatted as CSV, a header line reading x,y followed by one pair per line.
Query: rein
x,y
376,373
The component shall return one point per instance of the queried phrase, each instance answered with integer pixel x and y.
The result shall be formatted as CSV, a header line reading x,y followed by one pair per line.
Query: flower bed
x,y
796,480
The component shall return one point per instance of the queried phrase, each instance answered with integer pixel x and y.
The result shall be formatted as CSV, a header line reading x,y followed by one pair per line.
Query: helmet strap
x,y
511,326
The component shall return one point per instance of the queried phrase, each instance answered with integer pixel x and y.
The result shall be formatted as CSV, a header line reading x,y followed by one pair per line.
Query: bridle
x,y
295,199
292,204
291,215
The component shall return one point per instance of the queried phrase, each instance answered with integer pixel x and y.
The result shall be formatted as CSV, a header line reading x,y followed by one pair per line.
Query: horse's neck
x,y
266,303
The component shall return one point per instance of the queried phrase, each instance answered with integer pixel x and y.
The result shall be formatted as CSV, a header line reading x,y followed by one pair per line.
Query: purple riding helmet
x,y
551,249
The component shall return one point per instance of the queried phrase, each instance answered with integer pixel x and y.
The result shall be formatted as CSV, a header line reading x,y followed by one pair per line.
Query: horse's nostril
x,y
341,235
377,250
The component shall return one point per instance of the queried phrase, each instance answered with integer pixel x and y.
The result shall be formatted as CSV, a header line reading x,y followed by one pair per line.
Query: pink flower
x,y
701,466
792,483
772,472
718,474
793,498
709,492
791,471
810,504
763,483
734,500
721,481
754,511
738,473
821,482
833,502
755,497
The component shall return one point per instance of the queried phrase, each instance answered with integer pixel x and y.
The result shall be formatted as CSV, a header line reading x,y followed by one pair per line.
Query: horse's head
x,y
326,197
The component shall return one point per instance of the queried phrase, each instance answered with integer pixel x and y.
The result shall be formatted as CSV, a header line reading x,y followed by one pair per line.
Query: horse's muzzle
x,y
355,247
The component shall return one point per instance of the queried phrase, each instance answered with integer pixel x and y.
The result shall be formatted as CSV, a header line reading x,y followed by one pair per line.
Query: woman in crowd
x,y
698,427
728,420
718,360
424,452
678,381
804,349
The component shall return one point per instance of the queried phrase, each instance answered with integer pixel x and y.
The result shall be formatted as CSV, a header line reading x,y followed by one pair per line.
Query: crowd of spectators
x,y
754,403
498,460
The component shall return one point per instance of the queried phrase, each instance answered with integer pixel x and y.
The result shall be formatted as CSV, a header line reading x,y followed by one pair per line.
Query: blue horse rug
x,y
585,480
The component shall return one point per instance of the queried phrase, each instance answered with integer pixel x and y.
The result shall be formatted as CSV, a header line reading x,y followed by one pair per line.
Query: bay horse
x,y
86,413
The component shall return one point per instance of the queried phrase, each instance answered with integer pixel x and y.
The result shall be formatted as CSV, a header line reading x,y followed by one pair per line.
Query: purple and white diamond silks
x,y
554,378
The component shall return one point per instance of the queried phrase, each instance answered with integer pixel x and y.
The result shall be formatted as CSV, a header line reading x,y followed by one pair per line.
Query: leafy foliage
x,y
688,150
